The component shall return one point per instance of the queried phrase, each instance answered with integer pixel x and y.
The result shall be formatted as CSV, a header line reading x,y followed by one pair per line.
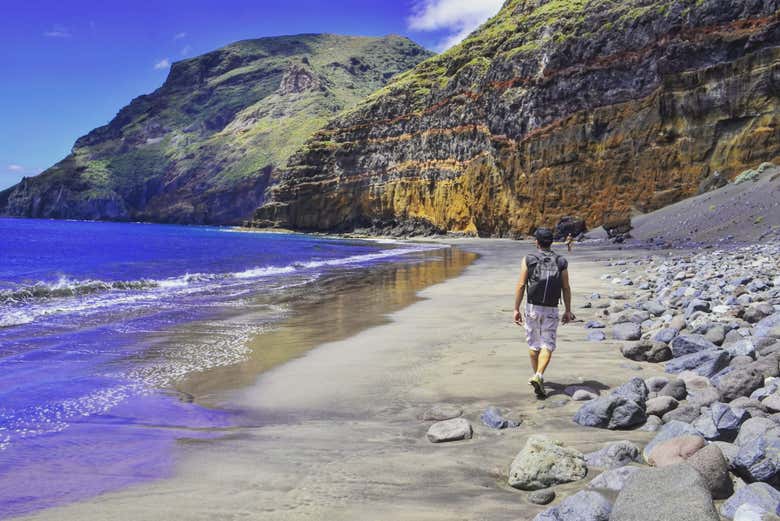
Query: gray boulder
x,y
759,458
544,462
728,419
611,412
627,331
614,455
772,403
768,327
660,405
704,363
716,334
753,513
767,365
729,451
706,427
449,430
654,308
675,388
493,419
621,409
656,383
744,347
752,428
635,390
703,397
673,429
658,353
714,468
675,450
653,424
596,336
753,407
684,413
697,305
637,351
688,344
676,492
586,505
665,335
757,494
614,479
739,382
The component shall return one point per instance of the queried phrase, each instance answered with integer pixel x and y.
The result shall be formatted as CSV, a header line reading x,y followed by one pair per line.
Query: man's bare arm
x,y
520,292
568,316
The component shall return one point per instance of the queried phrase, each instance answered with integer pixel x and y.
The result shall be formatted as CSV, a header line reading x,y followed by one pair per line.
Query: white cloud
x,y
179,36
15,168
186,50
162,64
458,17
58,31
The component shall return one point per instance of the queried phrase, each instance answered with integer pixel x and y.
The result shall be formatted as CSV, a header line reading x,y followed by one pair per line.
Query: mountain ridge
x,y
204,146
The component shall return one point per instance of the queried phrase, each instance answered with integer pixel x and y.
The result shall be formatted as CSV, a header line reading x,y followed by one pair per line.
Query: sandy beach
x,y
336,433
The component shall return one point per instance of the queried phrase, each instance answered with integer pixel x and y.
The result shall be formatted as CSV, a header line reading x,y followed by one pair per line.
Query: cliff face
x,y
204,146
592,108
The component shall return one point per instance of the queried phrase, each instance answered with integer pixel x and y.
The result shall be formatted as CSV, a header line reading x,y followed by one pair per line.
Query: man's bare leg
x,y
534,359
543,360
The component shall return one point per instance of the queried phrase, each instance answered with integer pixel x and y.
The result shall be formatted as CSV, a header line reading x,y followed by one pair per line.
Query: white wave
x,y
68,296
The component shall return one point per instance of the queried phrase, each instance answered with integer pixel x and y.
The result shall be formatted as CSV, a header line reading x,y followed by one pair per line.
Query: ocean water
x,y
91,353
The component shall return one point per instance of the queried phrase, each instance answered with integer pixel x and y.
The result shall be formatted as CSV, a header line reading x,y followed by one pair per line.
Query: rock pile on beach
x,y
713,319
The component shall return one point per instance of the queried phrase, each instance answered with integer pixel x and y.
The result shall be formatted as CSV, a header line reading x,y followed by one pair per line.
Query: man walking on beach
x,y
544,275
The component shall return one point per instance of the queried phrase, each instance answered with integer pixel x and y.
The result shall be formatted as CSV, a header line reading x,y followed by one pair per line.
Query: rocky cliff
x,y
204,146
595,108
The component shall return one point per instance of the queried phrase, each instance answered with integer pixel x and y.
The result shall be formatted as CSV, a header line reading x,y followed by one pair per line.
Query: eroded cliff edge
x,y
204,146
553,107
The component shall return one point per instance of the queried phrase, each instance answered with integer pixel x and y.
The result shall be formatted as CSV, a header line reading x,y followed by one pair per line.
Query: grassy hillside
x,y
204,146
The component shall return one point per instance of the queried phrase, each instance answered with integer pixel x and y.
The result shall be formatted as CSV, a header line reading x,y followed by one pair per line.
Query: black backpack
x,y
544,278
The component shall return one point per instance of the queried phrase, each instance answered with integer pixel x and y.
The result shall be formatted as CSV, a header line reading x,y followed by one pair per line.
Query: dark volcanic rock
x,y
687,344
704,363
568,225
739,382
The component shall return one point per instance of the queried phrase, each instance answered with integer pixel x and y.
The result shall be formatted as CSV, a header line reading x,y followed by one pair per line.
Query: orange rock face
x,y
553,108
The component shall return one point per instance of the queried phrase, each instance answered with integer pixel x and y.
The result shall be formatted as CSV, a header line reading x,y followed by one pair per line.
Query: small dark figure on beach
x,y
569,242
544,277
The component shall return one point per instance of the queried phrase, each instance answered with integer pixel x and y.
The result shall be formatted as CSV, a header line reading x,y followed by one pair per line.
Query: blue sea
x,y
91,353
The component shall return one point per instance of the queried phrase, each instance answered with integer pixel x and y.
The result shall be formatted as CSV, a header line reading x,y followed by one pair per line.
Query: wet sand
x,y
335,434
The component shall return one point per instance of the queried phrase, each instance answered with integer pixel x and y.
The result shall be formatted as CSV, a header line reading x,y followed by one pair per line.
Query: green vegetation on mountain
x,y
552,108
204,146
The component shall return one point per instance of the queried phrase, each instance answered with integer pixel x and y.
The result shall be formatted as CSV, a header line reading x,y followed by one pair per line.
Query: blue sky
x,y
68,66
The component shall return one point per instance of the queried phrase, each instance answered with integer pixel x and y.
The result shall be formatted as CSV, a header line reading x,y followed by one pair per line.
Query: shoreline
x,y
337,430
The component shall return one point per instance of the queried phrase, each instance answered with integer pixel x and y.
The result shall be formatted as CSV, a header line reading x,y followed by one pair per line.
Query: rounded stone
x,y
676,450
449,430
542,497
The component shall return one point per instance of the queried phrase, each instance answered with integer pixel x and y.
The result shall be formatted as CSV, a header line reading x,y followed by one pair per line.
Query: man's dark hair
x,y
544,237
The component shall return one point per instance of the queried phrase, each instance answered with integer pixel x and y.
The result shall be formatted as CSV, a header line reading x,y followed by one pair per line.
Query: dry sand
x,y
335,433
